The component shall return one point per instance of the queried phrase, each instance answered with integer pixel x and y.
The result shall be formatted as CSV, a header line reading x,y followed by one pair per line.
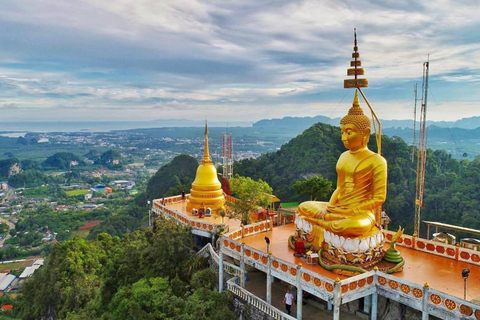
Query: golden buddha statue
x,y
206,192
361,190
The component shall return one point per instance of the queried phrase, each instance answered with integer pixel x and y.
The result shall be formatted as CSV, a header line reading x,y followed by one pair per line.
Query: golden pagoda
x,y
206,189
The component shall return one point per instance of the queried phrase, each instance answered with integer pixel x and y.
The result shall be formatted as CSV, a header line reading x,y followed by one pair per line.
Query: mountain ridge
x,y
464,123
451,195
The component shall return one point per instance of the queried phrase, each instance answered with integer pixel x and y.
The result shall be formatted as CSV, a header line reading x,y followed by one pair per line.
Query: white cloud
x,y
213,57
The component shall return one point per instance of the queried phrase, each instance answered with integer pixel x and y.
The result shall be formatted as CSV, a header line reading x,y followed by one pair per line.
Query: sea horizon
x,y
105,126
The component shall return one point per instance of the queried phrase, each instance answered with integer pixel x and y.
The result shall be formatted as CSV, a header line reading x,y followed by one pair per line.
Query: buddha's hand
x,y
310,219
339,210
319,215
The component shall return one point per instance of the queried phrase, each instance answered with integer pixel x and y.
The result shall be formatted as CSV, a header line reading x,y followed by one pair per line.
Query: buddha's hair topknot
x,y
356,117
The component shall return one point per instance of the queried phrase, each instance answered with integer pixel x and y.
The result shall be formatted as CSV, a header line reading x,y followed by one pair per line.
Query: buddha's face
x,y
352,137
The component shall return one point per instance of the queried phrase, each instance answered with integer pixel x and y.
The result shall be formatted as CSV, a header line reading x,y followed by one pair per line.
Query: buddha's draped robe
x,y
361,187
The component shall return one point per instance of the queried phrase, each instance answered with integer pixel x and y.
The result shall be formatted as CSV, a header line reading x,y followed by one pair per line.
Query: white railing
x,y
403,291
227,267
312,282
437,248
256,302
425,299
441,304
358,286
250,229
163,209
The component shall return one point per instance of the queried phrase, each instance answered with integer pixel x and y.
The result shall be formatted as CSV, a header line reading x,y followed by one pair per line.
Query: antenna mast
x,y
414,139
227,161
421,152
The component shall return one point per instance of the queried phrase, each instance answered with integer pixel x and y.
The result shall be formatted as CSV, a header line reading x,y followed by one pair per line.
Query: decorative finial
x,y
355,39
355,71
206,154
356,102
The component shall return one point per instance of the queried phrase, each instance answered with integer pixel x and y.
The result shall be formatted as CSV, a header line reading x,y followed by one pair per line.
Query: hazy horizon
x,y
104,126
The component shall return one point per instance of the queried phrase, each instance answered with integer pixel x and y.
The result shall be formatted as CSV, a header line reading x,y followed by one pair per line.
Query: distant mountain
x,y
302,123
460,138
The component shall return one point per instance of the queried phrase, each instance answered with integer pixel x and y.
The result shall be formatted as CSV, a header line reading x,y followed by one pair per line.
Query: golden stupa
x,y
206,189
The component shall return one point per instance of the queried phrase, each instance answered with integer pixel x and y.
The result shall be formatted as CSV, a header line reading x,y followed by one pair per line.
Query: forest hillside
x,y
452,194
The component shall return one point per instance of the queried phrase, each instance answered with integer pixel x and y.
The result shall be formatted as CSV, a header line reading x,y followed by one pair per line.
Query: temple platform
x,y
182,208
440,273
206,226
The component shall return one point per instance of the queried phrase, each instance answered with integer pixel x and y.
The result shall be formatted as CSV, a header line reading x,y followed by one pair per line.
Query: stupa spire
x,y
206,153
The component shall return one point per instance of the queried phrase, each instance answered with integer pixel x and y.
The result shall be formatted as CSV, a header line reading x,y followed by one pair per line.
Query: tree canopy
x,y
62,160
315,188
172,178
148,274
251,194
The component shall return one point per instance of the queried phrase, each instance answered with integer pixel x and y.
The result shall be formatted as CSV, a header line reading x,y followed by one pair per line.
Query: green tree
x,y
206,278
172,178
62,160
145,275
146,299
170,246
28,178
315,187
111,159
67,283
251,194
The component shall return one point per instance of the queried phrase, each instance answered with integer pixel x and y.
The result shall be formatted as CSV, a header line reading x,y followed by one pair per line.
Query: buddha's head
x,y
355,127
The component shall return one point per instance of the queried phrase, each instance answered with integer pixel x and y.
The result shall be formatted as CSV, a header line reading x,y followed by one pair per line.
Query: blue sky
x,y
232,60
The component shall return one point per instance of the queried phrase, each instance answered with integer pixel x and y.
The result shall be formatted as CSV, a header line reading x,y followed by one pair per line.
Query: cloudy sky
x,y
232,60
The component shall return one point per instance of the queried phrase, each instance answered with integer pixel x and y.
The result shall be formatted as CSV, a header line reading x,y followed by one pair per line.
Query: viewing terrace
x,y
431,280
205,226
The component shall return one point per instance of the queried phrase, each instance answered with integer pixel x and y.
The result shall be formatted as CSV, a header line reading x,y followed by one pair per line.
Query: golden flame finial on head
x,y
356,116
356,102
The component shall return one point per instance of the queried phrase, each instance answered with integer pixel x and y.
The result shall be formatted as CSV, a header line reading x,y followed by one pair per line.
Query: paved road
x,y
10,193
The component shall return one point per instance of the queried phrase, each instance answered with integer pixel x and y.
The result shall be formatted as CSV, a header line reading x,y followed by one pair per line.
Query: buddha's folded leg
x,y
312,208
354,226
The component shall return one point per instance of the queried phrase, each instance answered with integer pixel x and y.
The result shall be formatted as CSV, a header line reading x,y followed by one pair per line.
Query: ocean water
x,y
104,126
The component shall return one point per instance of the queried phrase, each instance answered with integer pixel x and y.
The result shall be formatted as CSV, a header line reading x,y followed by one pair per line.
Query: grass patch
x,y
15,265
84,230
81,233
39,192
78,192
